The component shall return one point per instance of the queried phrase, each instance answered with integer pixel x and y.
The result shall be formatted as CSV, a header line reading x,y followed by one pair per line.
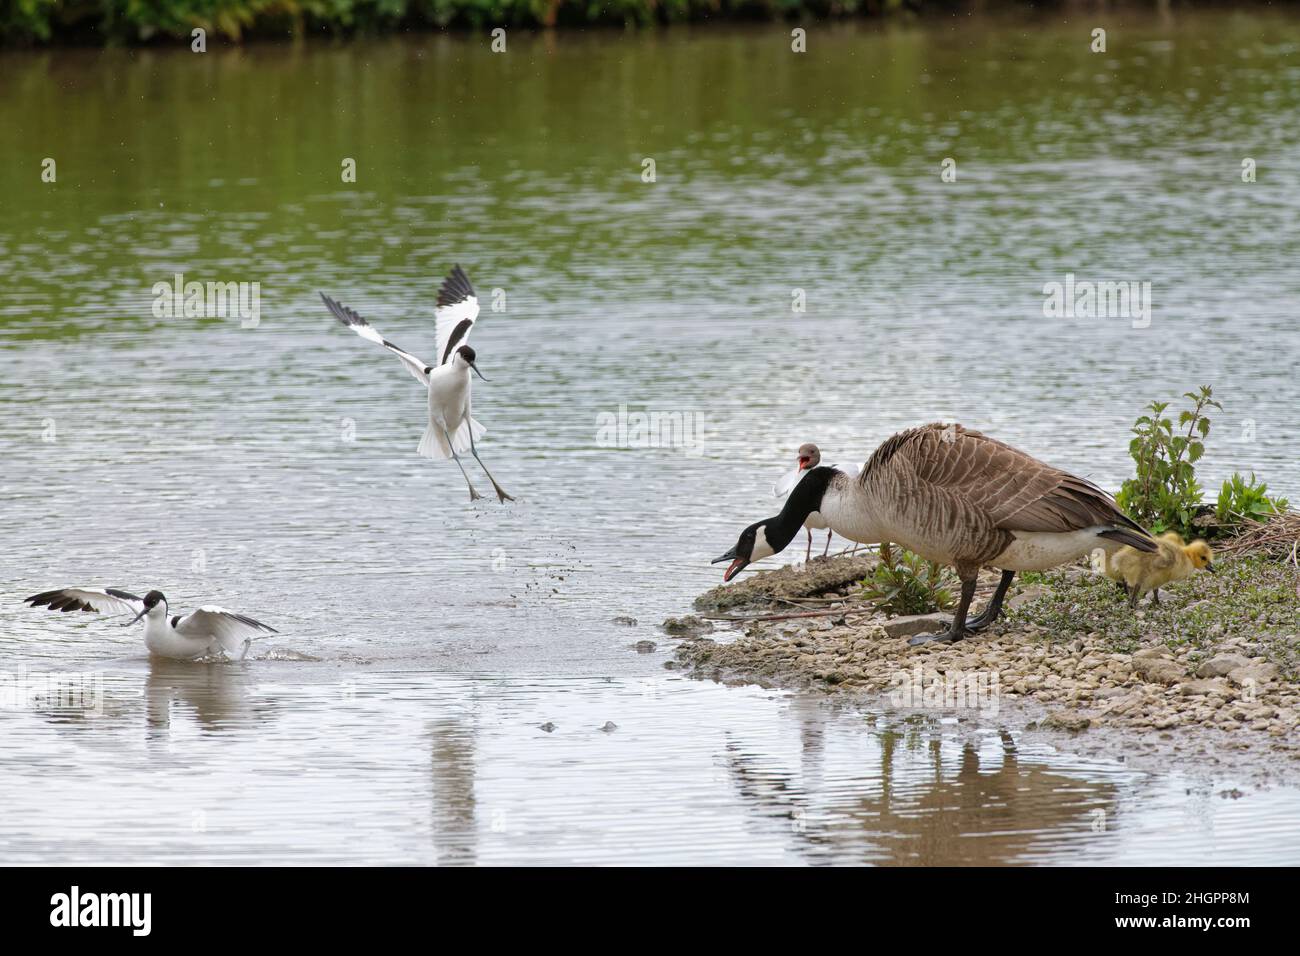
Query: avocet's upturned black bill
x,y
451,429
207,632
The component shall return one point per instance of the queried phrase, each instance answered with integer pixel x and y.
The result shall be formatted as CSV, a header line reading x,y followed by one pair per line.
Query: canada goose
x,y
958,497
1172,561
809,456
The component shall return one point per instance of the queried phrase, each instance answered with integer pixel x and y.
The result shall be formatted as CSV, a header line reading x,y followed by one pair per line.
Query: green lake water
x,y
271,467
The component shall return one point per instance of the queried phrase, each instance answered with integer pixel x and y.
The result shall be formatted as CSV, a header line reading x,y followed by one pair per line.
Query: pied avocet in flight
x,y
451,429
201,633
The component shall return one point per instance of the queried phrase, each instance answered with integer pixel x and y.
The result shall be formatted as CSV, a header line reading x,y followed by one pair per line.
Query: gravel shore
x,y
1212,670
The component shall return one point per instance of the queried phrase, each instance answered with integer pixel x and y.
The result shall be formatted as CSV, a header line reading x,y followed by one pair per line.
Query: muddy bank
x,y
1211,674
788,584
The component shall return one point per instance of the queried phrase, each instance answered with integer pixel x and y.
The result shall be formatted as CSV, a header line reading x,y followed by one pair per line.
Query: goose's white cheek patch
x,y
761,547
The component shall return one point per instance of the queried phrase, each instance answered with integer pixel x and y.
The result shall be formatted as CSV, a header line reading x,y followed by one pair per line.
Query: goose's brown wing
x,y
1013,490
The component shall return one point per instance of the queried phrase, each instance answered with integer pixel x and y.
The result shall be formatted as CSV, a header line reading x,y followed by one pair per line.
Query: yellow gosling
x,y
1173,560
1112,568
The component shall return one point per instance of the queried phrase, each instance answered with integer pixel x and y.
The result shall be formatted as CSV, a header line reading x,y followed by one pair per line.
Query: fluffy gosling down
x,y
1138,572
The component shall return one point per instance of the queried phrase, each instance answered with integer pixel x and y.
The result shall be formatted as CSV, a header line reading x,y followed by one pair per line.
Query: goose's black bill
x,y
737,564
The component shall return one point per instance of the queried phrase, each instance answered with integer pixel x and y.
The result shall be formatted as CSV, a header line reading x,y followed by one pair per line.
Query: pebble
x,y
912,624
688,626
1159,670
1194,688
1222,665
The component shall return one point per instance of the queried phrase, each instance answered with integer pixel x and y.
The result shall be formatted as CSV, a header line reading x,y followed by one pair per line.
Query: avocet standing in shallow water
x,y
201,633
451,428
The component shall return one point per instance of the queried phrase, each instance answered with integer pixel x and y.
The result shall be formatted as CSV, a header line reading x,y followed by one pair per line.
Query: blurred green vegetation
x,y
144,20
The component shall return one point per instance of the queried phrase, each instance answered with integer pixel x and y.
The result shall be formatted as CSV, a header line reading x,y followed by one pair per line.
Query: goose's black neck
x,y
803,501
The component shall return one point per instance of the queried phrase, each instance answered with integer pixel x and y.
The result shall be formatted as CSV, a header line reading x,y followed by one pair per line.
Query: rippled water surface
x,y
424,640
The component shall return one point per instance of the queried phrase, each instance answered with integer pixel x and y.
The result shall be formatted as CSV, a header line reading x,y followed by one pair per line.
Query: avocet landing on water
x,y
808,457
451,428
202,633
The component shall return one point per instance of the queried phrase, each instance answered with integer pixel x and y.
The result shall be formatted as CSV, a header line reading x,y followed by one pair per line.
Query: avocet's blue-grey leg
x,y
501,495
473,495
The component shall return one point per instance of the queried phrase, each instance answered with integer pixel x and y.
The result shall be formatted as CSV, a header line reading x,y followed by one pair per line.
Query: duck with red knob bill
x,y
957,497
451,429
208,632
809,456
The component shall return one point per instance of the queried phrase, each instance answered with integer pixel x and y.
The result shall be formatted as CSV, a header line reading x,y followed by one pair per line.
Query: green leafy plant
x,y
1240,499
1164,494
908,584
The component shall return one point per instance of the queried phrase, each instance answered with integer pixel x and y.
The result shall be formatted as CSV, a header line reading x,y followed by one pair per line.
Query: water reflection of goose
x,y
921,810
209,630
451,428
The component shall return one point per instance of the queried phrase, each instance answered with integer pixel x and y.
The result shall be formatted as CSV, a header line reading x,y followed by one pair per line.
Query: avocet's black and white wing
x,y
231,631
210,621
357,324
104,601
456,312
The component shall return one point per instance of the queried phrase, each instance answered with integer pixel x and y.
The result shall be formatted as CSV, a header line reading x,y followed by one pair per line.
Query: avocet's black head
x,y
151,601
751,546
468,356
